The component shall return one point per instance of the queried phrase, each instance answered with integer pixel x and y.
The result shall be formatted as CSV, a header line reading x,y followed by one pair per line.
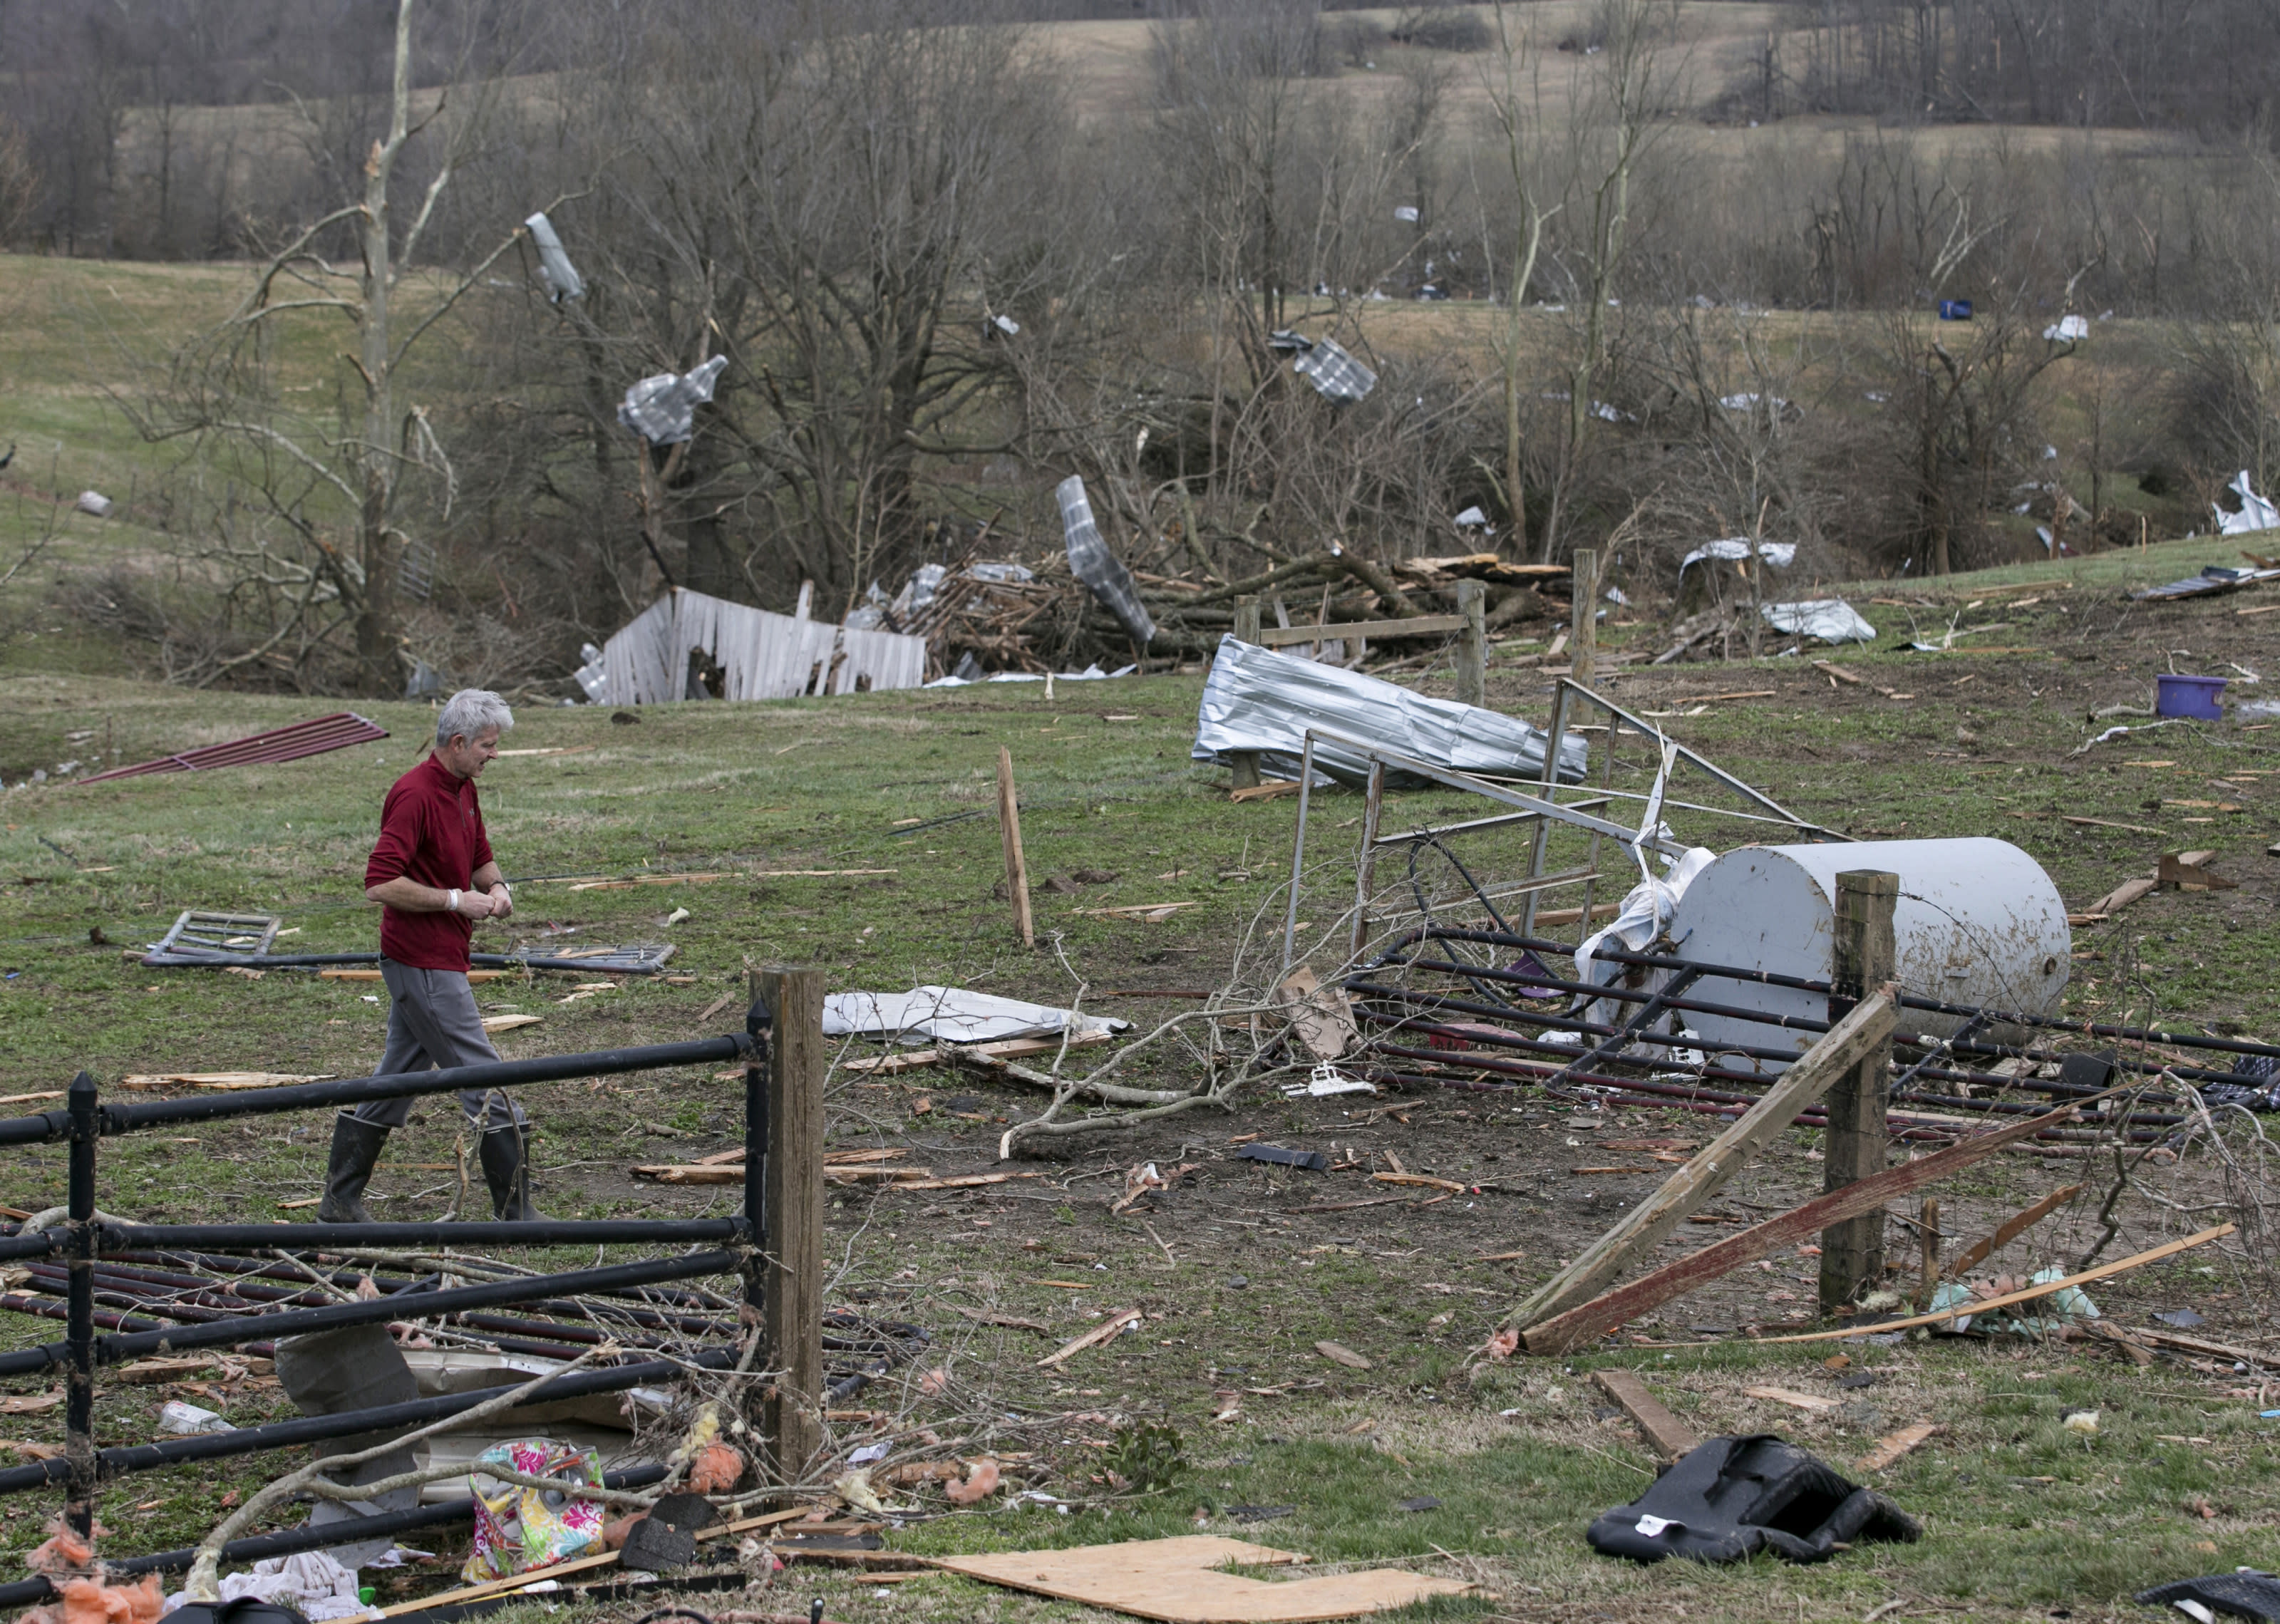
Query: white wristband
x,y
452,906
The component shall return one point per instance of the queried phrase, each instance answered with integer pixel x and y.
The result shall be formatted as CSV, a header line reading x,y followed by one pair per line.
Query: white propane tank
x,y
1977,923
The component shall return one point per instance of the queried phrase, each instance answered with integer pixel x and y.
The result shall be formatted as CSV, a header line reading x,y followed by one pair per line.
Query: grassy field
x,y
1238,1281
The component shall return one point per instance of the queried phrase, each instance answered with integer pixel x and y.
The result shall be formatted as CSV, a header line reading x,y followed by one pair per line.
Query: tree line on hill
x,y
942,272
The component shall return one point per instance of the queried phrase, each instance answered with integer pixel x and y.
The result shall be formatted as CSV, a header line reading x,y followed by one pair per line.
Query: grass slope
x,y
1239,1283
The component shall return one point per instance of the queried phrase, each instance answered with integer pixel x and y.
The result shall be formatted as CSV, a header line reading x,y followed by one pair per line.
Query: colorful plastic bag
x,y
519,1528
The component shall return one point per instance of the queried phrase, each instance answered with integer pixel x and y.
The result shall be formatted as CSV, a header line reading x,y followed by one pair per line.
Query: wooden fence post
x,y
791,1200
1472,644
1583,617
1009,832
1852,1252
1246,630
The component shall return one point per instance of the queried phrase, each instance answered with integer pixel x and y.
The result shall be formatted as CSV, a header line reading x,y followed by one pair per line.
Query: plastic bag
x,y
519,1528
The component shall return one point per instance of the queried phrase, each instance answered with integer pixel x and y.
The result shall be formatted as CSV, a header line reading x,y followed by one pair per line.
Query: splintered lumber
x,y
2104,1271
1812,1402
1890,1447
1839,673
1005,1049
1266,791
1579,1325
146,1082
2009,1231
1868,1025
1668,1436
1105,1331
2121,895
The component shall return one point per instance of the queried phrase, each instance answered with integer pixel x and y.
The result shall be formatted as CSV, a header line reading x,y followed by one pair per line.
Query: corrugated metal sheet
x,y
314,737
761,655
1258,700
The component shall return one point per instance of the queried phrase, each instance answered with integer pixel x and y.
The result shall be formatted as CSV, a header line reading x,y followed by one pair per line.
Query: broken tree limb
x,y
1869,1025
1107,1093
1973,1310
2009,1231
1378,582
1006,1049
1668,1436
1580,1324
1106,1330
1009,830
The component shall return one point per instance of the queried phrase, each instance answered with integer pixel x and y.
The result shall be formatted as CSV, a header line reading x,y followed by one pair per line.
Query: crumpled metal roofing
x,y
1256,699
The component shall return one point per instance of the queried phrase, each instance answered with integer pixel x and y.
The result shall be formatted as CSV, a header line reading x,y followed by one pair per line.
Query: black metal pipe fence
x,y
98,1257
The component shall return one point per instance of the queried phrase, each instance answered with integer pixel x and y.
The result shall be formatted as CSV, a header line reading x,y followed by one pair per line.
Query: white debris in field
x,y
2256,513
1832,619
95,503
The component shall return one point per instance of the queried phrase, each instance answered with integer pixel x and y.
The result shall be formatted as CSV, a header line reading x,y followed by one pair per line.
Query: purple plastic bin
x,y
2193,696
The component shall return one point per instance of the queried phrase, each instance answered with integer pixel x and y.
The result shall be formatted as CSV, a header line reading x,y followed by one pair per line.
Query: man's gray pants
x,y
433,1022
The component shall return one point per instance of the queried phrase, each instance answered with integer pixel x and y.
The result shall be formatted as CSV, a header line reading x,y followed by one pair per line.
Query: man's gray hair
x,y
470,711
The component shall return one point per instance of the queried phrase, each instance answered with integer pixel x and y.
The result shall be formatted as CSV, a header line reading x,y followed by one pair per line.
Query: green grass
x,y
820,784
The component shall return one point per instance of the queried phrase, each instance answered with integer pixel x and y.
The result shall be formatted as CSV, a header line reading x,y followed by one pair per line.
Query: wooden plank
x,y
792,1196
1668,1436
2121,895
1868,1025
2009,1231
1890,1447
1265,791
1332,631
1855,1142
1179,1581
1676,1279
1017,866
2104,1271
1839,673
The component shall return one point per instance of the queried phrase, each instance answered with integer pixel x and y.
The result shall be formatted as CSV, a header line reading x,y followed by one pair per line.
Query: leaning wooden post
x,y
1472,644
791,1200
1245,765
1583,617
1017,866
1852,1252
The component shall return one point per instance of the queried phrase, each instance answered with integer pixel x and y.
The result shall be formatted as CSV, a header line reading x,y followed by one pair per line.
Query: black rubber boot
x,y
356,1151
508,1174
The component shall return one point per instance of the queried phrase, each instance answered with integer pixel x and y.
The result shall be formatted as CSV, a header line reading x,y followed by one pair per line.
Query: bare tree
x,y
1513,110
339,492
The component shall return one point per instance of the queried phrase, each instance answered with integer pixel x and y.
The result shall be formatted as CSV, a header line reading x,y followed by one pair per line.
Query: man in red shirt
x,y
432,873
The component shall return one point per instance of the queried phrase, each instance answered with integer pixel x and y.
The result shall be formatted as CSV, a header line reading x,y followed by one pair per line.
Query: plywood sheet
x,y
1177,1580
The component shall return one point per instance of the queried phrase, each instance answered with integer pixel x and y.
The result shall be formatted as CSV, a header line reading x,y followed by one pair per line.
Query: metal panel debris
x,y
1832,619
1336,374
1093,562
662,409
337,731
748,653
562,279
1260,701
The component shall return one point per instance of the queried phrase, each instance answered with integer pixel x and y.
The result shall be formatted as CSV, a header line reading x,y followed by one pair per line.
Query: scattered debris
x,y
1312,1161
1327,1081
1257,702
2244,1592
1319,1016
1670,1437
2188,871
662,408
2255,512
1729,1498
1832,619
561,277
2214,580
1892,1446
1338,1354
1102,571
953,1015
688,645
337,731
1107,1330
1179,1581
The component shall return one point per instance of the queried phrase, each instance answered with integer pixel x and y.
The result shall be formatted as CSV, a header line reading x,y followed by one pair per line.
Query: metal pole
x,y
1366,870
1298,857
79,1332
